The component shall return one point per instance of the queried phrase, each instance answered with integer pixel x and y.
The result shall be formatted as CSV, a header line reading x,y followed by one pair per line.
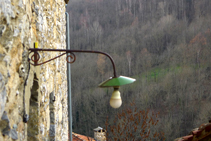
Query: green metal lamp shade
x,y
118,81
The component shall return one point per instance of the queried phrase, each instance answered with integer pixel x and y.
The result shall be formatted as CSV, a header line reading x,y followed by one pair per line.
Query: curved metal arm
x,y
35,57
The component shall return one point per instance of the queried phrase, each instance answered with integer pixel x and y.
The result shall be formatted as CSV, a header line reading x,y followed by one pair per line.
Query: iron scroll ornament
x,y
70,55
36,57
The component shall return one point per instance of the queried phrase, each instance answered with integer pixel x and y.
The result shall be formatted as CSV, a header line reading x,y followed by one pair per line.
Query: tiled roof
x,y
78,137
203,133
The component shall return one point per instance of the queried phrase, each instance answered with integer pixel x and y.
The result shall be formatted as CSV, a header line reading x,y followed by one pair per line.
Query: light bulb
x,y
116,100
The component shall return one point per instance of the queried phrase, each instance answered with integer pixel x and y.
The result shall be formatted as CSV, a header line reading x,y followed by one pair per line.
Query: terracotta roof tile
x,y
208,127
203,133
187,138
197,133
201,127
78,137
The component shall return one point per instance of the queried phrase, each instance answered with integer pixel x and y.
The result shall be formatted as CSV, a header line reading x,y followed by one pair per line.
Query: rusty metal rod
x,y
77,51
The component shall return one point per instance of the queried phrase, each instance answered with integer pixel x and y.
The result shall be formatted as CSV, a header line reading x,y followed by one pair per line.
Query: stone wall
x,y
33,100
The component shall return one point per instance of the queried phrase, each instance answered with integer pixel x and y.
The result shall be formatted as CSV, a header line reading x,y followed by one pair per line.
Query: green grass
x,y
158,72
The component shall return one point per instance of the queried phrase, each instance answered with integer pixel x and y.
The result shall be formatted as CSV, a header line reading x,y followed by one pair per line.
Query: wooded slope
x,y
164,44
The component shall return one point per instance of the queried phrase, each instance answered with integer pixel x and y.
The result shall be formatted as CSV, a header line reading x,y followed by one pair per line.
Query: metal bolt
x,y
25,118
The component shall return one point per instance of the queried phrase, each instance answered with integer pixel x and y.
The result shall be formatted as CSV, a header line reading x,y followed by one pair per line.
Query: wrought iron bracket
x,y
70,56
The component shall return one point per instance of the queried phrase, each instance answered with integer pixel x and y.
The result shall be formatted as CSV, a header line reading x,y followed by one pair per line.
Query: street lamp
x,y
114,81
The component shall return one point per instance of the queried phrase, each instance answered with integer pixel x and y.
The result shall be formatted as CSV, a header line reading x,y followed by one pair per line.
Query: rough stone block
x,y
14,134
2,29
52,130
5,117
3,94
6,131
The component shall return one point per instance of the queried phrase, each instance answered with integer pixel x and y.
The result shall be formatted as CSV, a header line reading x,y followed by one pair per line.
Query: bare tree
x,y
132,124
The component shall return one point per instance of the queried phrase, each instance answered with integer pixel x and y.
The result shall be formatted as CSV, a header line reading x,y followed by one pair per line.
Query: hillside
x,y
164,44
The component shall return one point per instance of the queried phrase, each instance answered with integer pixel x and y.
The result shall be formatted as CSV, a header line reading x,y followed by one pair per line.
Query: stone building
x,y
33,100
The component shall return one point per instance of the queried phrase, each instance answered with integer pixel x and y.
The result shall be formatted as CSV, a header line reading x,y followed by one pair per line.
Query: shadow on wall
x,y
33,126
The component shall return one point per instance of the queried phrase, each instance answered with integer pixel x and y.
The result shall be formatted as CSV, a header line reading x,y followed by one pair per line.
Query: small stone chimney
x,y
99,134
